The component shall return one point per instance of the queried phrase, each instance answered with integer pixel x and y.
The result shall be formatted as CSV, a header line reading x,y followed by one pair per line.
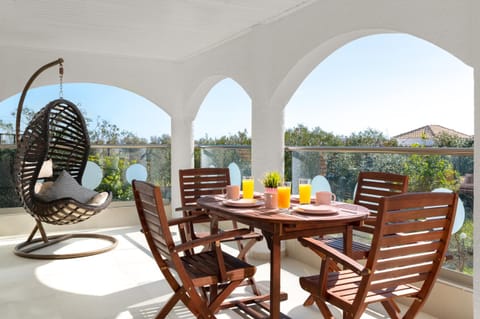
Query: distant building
x,y
7,138
425,135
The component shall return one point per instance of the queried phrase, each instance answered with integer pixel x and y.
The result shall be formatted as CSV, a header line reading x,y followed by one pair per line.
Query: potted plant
x,y
270,181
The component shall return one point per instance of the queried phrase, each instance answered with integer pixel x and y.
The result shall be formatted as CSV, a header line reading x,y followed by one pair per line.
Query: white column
x,y
181,154
267,155
476,201
267,141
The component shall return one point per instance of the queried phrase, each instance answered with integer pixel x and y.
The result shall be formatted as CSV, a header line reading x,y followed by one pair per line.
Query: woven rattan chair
x,y
204,279
57,133
409,244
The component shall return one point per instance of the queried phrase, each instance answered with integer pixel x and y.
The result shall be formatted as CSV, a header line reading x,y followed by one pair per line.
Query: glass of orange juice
x,y
247,186
304,190
283,191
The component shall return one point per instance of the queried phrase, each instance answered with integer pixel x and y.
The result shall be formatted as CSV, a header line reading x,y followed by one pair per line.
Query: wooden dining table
x,y
277,225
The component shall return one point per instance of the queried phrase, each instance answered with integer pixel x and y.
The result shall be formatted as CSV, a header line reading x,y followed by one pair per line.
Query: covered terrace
x,y
173,52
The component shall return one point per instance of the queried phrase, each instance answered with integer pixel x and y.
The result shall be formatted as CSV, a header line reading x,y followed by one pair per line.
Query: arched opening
x,y
115,117
226,103
122,108
389,82
386,86
224,117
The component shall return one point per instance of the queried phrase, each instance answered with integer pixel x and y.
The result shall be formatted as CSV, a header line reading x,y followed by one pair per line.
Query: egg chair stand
x,y
57,133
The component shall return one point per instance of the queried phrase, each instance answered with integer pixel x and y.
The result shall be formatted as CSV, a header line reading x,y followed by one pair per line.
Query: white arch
x,y
304,66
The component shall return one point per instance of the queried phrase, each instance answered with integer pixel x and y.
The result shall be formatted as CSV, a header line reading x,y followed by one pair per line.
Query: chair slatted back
x,y
410,241
153,219
372,187
197,182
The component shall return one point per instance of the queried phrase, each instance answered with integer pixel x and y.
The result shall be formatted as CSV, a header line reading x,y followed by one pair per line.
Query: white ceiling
x,y
164,29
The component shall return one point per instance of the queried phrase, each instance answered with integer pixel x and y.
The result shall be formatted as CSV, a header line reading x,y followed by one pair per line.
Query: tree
x,y
105,132
369,137
6,127
445,139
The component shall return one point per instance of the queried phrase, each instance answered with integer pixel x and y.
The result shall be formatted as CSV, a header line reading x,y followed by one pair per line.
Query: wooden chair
x,y
205,279
409,245
371,188
197,182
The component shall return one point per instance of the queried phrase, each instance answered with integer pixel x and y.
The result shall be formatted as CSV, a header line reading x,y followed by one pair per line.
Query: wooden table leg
x,y
348,240
273,242
275,267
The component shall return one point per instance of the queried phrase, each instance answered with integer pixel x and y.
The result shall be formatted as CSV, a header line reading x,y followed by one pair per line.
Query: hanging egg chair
x,y
50,161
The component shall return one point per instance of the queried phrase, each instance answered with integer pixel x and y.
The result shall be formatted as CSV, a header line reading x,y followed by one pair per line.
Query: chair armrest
x,y
212,238
323,250
189,207
187,219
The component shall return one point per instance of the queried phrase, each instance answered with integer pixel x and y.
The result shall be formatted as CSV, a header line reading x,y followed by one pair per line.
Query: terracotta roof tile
x,y
430,131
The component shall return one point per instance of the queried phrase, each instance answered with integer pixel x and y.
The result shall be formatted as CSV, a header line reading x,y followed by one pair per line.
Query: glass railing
x,y
112,167
109,168
429,169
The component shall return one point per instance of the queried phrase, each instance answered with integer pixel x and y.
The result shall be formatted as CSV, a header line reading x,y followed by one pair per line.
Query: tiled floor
x,y
122,284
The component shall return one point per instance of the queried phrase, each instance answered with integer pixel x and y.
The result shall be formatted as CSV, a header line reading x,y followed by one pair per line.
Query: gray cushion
x,y
65,186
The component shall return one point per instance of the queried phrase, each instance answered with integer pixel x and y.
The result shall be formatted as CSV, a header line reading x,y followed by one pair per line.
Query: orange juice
x,y
247,187
284,195
304,190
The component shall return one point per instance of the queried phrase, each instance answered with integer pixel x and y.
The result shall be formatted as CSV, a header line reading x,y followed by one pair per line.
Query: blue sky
x,y
392,83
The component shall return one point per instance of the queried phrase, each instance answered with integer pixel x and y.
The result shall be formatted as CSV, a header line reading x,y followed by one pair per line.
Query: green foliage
x,y
113,176
8,195
448,140
220,157
369,137
105,132
271,179
427,172
240,138
161,140
302,136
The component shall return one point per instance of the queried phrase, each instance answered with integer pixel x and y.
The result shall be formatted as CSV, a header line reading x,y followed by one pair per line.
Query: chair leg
x,y
414,308
392,309
243,249
253,284
309,301
326,313
216,302
356,314
179,294
242,252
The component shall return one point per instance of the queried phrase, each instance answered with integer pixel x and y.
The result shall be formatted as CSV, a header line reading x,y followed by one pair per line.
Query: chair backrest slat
x,y
409,249
197,182
154,222
372,187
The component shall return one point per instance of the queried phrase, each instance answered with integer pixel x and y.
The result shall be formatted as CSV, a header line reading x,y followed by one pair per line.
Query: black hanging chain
x,y
60,73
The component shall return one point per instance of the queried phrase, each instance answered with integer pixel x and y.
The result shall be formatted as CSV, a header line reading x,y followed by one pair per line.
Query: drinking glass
x,y
283,191
247,186
304,190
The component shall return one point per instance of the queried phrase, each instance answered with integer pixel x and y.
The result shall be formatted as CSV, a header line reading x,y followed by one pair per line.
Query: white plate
x,y
316,209
243,202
